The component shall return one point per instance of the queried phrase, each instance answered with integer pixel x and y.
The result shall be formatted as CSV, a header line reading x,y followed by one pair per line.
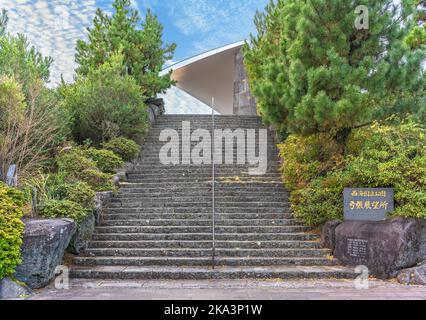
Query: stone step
x,y
206,216
218,210
201,176
204,261
236,186
198,222
191,166
135,203
206,187
207,244
231,191
154,151
207,124
201,252
204,174
199,180
198,229
206,273
223,197
133,199
294,236
160,170
156,144
172,169
131,195
207,118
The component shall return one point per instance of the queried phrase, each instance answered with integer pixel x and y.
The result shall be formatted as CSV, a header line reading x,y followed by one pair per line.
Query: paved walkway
x,y
231,290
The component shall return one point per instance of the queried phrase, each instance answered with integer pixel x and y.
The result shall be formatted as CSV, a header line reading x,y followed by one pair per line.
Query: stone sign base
x,y
385,247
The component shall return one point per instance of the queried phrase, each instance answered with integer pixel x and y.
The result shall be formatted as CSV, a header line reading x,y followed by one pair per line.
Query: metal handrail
x,y
213,190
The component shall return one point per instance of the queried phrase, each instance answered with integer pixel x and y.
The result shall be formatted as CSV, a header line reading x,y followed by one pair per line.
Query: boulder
x,y
328,235
10,289
422,250
151,115
101,200
83,235
385,247
43,250
413,276
155,109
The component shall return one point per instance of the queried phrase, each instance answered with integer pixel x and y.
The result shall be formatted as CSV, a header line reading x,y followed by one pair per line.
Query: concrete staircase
x,y
159,226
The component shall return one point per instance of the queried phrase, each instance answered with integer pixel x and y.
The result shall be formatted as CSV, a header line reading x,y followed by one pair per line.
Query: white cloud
x,y
53,27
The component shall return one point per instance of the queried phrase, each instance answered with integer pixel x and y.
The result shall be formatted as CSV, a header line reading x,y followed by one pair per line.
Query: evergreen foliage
x,y
140,42
312,71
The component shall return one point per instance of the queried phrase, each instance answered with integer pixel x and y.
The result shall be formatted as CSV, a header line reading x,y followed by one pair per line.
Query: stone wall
x,y
244,103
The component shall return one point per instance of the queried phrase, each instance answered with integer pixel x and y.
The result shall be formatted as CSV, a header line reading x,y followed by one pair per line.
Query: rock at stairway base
x,y
43,249
83,235
413,276
385,247
9,289
328,235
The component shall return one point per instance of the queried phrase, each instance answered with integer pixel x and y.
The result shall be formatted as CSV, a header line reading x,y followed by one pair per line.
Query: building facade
x,y
217,78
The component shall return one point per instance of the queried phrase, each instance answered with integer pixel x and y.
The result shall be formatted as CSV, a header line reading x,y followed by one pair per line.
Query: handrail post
x,y
213,189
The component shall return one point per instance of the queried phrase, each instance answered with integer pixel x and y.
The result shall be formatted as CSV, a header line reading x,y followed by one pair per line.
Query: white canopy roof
x,y
209,75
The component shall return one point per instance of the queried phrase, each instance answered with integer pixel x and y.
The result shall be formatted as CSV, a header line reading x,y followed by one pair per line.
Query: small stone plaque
x,y
357,248
368,204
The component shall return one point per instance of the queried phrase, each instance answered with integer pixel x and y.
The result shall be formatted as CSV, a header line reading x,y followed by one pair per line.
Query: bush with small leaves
x,y
73,162
79,192
126,148
98,180
106,160
63,209
11,230
75,165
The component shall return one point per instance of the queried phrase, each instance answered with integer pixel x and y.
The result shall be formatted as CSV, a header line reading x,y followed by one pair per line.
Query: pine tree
x,y
313,71
140,42
417,36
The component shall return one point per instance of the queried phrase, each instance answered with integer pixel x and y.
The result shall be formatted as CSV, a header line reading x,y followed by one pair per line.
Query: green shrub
x,y
76,166
98,180
78,192
126,148
14,194
391,156
63,209
106,160
305,158
74,161
106,104
11,230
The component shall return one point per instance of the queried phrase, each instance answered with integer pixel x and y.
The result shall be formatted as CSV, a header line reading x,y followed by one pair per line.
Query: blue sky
x,y
53,26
